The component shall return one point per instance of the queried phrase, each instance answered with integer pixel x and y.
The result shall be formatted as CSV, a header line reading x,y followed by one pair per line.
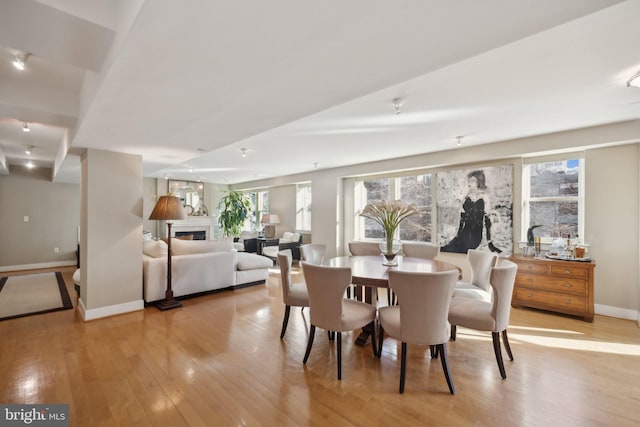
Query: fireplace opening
x,y
197,235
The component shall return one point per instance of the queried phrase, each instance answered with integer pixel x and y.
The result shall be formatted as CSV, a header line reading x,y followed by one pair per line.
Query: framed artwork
x,y
475,209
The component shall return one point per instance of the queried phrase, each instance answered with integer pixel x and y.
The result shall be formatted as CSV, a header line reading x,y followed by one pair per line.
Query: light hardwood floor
x,y
218,361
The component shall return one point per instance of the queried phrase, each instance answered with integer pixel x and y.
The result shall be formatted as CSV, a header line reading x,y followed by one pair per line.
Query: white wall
x,y
607,166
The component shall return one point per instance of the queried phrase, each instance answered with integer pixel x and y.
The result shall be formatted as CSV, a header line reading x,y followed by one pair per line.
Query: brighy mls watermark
x,y
34,415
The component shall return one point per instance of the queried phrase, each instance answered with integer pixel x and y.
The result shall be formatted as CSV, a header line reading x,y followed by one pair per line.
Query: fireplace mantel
x,y
193,223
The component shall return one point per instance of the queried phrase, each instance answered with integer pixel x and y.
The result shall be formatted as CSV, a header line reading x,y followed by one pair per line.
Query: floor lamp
x,y
168,208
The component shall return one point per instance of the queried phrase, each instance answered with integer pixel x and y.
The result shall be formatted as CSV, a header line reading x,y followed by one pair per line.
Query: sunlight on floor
x,y
556,338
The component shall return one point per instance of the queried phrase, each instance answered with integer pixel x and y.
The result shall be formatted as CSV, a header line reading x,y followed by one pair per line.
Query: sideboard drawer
x,y
552,301
552,283
568,271
529,267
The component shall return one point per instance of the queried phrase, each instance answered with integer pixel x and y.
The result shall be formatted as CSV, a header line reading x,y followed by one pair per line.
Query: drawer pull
x,y
529,280
568,301
529,295
567,285
568,271
529,267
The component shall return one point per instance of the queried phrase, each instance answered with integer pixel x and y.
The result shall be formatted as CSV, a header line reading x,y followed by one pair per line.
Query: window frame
x,y
527,198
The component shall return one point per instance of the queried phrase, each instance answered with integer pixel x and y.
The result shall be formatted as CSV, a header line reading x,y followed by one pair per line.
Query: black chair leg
x,y
285,321
434,351
374,347
331,335
498,351
339,355
453,333
403,366
380,338
442,349
505,341
312,332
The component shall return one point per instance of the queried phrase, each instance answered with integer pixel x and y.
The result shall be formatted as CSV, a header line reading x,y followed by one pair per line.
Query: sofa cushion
x,y
155,248
247,261
188,247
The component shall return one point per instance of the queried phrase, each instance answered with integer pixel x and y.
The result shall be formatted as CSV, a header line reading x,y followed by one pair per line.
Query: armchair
x,y
288,240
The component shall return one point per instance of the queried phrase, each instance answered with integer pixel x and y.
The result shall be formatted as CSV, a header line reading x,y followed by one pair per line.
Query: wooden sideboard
x,y
553,285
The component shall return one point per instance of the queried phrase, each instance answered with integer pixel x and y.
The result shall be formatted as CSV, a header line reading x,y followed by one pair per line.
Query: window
x,y
552,196
303,207
410,189
259,206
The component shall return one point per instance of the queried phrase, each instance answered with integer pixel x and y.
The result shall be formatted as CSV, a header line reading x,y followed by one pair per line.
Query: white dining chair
x,y
313,253
293,294
478,287
331,311
489,316
424,250
420,316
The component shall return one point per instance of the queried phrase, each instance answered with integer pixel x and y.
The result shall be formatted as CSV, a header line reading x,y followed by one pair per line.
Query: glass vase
x,y
390,249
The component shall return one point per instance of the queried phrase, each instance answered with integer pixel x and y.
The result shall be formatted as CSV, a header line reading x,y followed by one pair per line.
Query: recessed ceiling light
x,y
397,103
459,138
243,151
25,127
29,150
30,165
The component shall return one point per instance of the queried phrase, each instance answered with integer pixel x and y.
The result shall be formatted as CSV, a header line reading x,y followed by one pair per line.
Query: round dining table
x,y
369,271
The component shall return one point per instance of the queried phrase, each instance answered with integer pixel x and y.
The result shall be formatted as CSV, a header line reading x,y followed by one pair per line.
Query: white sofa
x,y
198,266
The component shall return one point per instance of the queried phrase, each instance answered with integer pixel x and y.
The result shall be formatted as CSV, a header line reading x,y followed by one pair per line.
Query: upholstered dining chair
x,y
361,248
313,253
489,316
330,310
293,294
420,250
481,263
420,316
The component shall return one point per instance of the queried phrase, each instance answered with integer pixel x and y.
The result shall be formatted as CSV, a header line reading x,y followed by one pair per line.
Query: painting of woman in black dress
x,y
467,217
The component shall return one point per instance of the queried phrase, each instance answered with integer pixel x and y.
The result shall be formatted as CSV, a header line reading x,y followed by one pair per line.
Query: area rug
x,y
32,294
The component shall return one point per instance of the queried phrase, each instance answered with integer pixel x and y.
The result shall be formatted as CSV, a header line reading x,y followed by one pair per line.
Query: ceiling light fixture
x,y
25,127
30,165
243,151
315,165
397,104
29,150
459,138
20,61
634,80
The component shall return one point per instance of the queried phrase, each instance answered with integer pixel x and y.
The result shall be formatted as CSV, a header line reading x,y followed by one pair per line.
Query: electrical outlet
x,y
56,250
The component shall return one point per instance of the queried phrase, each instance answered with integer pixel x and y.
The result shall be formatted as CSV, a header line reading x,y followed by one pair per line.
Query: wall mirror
x,y
191,194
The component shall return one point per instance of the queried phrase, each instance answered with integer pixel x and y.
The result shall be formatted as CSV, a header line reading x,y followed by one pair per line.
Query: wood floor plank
x,y
219,361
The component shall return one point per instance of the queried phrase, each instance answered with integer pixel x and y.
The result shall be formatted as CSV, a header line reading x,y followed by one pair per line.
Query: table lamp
x,y
269,221
168,208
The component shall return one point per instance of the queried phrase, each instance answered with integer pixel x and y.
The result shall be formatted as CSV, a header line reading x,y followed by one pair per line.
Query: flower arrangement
x,y
389,214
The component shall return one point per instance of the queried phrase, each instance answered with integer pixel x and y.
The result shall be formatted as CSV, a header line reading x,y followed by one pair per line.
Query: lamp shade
x,y
168,207
270,219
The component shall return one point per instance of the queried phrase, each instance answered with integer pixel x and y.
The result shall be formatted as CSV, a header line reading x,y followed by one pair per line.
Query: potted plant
x,y
234,210
389,214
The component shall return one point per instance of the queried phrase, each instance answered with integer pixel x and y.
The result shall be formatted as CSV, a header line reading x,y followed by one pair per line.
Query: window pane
x,y
555,179
416,189
303,208
557,218
377,189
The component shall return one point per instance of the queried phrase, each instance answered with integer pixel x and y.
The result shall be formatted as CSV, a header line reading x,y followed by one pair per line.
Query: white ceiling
x,y
303,83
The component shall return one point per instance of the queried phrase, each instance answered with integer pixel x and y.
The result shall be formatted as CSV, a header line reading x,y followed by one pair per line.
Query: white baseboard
x,y
620,313
112,310
38,265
